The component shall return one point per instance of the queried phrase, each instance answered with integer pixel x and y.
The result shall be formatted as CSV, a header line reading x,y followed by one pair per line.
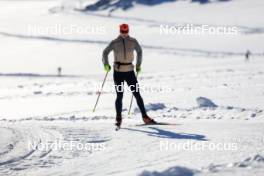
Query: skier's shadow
x,y
169,134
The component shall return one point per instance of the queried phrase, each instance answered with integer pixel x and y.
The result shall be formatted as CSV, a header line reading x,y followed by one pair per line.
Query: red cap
x,y
124,28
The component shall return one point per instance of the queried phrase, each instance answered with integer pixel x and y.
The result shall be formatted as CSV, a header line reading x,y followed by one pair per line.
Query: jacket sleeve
x,y
106,52
139,54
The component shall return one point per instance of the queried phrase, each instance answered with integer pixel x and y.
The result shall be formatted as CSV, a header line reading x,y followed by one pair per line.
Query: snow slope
x,y
102,28
215,97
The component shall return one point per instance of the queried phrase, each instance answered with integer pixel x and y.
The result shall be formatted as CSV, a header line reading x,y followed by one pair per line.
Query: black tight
x,y
130,78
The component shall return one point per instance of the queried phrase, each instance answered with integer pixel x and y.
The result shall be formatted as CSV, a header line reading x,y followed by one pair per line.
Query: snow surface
x,y
216,96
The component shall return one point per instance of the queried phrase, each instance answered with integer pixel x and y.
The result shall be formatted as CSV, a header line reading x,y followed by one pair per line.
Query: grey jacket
x,y
123,53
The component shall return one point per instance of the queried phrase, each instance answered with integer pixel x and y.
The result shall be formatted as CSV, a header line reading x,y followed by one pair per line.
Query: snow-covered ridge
x,y
113,5
243,167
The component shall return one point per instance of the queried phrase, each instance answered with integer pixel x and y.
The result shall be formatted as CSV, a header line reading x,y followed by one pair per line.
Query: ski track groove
x,y
49,158
170,50
11,145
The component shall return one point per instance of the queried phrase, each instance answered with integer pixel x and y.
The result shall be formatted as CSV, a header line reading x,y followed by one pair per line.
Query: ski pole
x,y
131,101
99,94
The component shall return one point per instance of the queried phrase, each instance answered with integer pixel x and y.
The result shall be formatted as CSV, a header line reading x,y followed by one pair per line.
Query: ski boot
x,y
118,122
147,120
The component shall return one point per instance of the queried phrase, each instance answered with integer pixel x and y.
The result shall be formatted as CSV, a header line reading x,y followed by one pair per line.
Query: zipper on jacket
x,y
124,48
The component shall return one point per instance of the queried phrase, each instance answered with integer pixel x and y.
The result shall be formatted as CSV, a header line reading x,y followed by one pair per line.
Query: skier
x,y
247,55
59,71
123,47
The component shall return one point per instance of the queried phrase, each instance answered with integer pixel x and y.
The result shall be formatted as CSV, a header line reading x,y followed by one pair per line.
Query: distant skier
x,y
247,55
59,71
123,47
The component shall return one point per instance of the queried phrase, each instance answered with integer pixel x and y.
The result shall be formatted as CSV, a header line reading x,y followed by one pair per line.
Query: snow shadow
x,y
161,133
151,107
173,171
122,4
204,102
208,1
127,4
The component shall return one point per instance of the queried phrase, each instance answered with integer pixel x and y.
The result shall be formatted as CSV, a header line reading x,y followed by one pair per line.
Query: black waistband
x,y
120,63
